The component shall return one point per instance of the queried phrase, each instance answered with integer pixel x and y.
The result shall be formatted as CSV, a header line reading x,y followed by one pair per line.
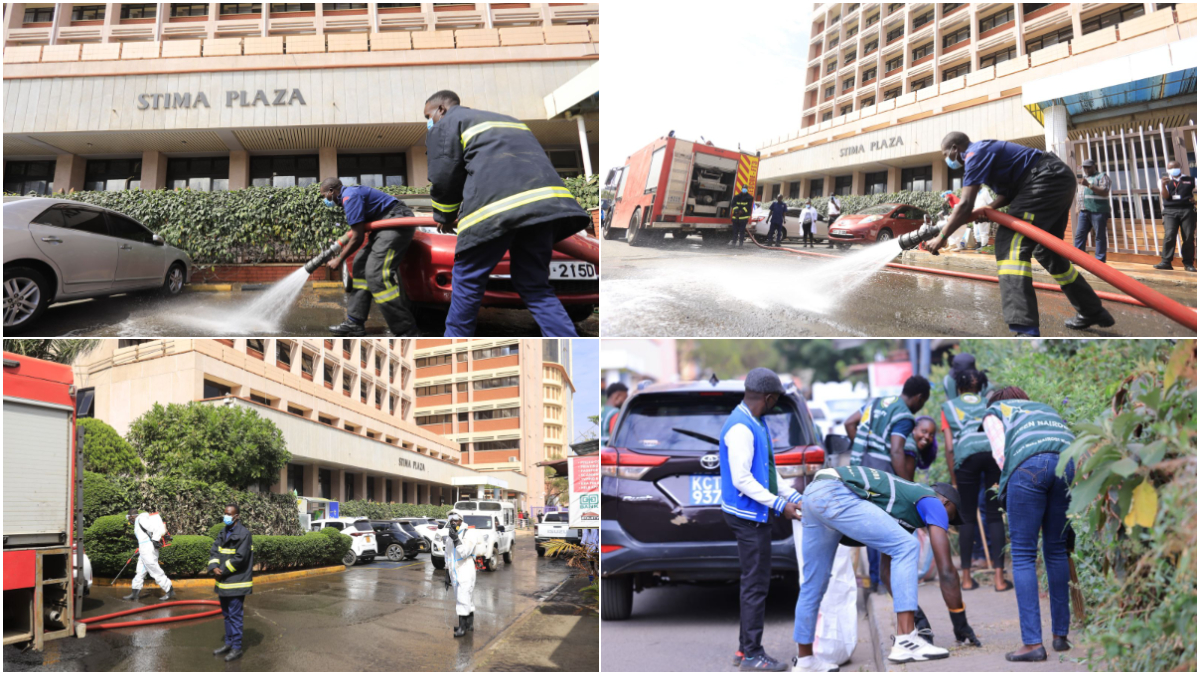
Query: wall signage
x,y
409,464
893,142
244,99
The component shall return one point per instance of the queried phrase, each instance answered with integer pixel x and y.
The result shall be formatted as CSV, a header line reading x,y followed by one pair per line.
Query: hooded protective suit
x,y
460,565
149,530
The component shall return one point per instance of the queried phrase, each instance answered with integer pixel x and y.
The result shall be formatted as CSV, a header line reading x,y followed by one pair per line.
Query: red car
x,y
879,223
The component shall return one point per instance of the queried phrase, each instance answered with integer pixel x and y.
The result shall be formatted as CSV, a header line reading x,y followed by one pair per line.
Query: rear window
x,y
485,506
656,422
554,518
336,526
363,525
465,506
408,527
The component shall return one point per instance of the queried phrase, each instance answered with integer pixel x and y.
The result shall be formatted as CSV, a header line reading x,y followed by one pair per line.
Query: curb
x,y
207,288
268,578
326,284
878,651
239,287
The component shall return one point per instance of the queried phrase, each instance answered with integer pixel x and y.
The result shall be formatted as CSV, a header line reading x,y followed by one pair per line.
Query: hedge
x,y
102,496
931,202
384,511
104,451
276,553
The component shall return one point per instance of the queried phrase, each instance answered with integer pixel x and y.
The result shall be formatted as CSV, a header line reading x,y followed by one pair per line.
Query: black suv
x,y
398,542
660,491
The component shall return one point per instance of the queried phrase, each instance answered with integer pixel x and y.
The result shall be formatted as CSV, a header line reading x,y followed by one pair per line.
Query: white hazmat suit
x,y
460,565
149,528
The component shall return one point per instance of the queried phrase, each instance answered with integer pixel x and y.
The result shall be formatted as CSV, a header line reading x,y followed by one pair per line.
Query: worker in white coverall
x,y
149,530
460,566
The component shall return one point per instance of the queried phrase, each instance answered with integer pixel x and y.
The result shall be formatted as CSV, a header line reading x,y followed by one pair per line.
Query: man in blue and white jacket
x,y
751,490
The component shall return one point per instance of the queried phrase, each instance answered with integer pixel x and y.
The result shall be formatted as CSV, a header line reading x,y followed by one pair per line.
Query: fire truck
x,y
677,186
43,517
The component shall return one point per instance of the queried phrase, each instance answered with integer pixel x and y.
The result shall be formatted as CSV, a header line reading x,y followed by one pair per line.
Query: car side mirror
x,y
836,444
158,241
499,528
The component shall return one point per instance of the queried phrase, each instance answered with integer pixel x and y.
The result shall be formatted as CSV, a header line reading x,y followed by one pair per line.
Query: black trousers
x,y
1043,200
807,227
775,233
975,473
739,231
754,555
377,278
1178,222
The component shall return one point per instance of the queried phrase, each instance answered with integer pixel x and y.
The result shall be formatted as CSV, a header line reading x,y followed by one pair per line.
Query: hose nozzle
x,y
322,257
912,240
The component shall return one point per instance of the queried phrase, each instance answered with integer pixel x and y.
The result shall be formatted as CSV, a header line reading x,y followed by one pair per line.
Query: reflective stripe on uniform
x,y
1019,268
1067,277
359,284
480,128
241,584
229,564
227,551
445,208
509,203
214,560
386,295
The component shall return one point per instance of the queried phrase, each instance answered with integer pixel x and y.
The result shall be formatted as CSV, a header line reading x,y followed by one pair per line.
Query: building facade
x,y
506,403
215,96
345,407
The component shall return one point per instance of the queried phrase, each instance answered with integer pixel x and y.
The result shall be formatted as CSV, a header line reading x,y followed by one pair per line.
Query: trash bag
x,y
837,619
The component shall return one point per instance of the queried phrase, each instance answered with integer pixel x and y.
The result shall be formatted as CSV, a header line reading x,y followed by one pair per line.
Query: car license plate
x,y
705,491
840,232
572,270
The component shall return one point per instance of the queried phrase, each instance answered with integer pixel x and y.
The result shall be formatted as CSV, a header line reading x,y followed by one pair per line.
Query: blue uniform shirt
x,y
997,164
778,210
365,204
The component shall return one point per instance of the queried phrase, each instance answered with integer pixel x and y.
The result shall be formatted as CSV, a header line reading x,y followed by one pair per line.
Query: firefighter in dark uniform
x,y
493,182
231,561
1039,188
740,209
376,275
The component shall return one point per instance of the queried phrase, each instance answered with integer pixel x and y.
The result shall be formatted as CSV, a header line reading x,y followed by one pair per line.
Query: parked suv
x,y
426,527
397,541
661,519
363,544
554,526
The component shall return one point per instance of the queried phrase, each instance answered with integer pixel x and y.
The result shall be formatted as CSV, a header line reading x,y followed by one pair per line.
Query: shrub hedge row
x,y
382,511
929,201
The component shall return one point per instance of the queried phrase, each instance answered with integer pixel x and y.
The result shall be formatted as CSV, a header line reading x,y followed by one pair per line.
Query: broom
x,y
1076,591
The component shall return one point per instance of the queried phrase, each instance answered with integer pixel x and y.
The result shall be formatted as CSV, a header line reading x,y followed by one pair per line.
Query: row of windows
x,y
150,10
915,179
493,383
29,177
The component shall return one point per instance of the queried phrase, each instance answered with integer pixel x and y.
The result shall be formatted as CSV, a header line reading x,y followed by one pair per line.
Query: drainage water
x,y
262,315
822,287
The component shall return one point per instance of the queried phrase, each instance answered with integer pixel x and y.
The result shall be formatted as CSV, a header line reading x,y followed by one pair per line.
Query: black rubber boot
x,y
133,596
169,595
223,649
1101,318
348,328
471,622
234,654
461,629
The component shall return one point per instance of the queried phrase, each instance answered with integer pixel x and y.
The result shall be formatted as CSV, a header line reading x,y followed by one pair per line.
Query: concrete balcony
x,y
188,29
80,33
292,25
130,32
575,13
1053,16
40,35
460,19
239,27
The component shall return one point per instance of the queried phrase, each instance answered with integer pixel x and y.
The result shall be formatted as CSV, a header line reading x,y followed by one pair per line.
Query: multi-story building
x,y
886,81
217,96
345,407
507,403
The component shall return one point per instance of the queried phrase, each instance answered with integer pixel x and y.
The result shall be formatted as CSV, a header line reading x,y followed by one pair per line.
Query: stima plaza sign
x,y
880,144
242,98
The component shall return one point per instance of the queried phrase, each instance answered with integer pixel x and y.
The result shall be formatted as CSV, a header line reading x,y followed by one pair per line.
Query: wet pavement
x,y
215,314
682,287
378,616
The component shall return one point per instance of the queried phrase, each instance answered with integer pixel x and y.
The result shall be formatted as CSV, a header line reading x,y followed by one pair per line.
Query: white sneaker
x,y
811,664
913,647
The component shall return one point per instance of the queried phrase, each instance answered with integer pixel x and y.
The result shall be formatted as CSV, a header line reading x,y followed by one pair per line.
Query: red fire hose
x,y
578,246
146,622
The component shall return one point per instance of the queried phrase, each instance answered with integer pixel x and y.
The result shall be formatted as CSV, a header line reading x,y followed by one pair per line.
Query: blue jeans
x,y
831,510
1037,503
231,609
1096,223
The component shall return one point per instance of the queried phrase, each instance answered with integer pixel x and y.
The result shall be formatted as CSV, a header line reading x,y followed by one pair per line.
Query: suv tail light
x,y
609,548
355,533
616,463
799,461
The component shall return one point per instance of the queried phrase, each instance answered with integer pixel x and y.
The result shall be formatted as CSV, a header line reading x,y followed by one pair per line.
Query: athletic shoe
x,y
811,664
762,663
913,647
737,658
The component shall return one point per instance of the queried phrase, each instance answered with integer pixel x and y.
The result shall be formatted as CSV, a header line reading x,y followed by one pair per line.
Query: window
x,y
278,7
216,389
872,20
1050,39
80,219
998,19
876,183
325,482
843,185
895,33
347,379
870,47
193,9
868,101
122,227
923,19
205,174
1112,18
372,170
568,163
830,67
256,345
460,387
39,15
1028,8
284,171
348,490
847,109
514,444
921,83
142,11
918,179
283,352
826,116
852,31
87,12
460,357
922,51
891,94
228,8
325,420
849,58
961,35
957,71
829,91
847,83
496,383
112,174
495,352
835,19
387,489
834,42
434,389
329,374
439,360
893,6
464,417
343,5
794,190
308,364
431,420
816,187
503,413
998,57
85,403
261,400
29,177
868,75
894,64
948,7
656,161
295,479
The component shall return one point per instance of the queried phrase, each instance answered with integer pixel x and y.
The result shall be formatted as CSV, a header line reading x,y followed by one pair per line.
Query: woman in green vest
x,y
970,457
1026,439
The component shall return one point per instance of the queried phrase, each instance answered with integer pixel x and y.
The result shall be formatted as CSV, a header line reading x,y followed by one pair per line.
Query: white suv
x,y
363,545
555,527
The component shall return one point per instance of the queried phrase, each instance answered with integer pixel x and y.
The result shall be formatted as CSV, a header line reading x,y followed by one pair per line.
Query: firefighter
x,y
460,568
231,560
1039,188
151,533
494,184
740,209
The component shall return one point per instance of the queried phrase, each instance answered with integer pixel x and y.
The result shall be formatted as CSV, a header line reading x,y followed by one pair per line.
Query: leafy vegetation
x,y
102,497
58,351
931,202
104,451
386,511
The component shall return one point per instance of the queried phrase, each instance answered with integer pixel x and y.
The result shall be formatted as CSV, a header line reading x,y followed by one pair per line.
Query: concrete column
x,y
154,170
380,488
1020,27
69,173
280,486
360,485
583,141
62,15
973,9
941,176
327,163
111,10
214,15
418,166
830,182
858,183
311,489
1056,134
339,485
1074,10
318,18
239,169
893,181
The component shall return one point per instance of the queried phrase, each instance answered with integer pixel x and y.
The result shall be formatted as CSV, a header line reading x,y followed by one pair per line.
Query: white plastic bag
x,y
837,618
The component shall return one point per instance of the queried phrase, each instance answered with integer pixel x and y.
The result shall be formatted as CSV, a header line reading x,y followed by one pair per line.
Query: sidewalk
x,y
993,616
561,633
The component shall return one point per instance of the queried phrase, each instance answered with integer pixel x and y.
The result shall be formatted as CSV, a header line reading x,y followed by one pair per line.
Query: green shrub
x,y
586,190
931,202
215,530
386,511
109,542
193,506
308,550
102,497
104,451
187,555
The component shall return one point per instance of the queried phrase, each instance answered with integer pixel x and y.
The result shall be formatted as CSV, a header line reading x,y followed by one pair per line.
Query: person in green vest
x,y
970,459
857,505
614,398
879,431
1030,436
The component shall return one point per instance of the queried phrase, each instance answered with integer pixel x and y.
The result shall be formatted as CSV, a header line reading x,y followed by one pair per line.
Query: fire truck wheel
x,y
679,234
606,229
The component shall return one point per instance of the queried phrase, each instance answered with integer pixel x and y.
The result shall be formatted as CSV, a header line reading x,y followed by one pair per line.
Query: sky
x,y
733,73
585,373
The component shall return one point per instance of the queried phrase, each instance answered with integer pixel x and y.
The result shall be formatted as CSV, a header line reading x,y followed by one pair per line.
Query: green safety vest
x,y
1030,428
889,492
873,430
609,413
964,416
1090,201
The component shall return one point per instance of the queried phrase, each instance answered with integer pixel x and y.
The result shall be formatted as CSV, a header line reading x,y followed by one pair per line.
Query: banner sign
x,y
583,476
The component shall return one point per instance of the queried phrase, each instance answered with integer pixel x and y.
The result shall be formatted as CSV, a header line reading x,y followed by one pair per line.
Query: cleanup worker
x,y
740,208
856,505
751,491
777,213
460,570
376,271
879,431
1178,193
151,533
614,398
231,561
1039,189
493,182
1030,436
1094,188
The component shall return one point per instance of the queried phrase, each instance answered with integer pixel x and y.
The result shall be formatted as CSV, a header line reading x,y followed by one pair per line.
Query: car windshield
x,y
654,422
363,525
479,522
880,210
489,506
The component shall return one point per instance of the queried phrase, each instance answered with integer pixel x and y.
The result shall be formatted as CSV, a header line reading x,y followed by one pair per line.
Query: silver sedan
x,y
57,250
791,224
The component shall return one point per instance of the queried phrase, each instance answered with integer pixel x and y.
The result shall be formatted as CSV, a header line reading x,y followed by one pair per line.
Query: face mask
x,y
328,202
745,190
228,520
1175,172
953,164
429,124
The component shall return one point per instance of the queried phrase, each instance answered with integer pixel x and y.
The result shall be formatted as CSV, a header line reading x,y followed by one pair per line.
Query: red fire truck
x,y
677,186
43,582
